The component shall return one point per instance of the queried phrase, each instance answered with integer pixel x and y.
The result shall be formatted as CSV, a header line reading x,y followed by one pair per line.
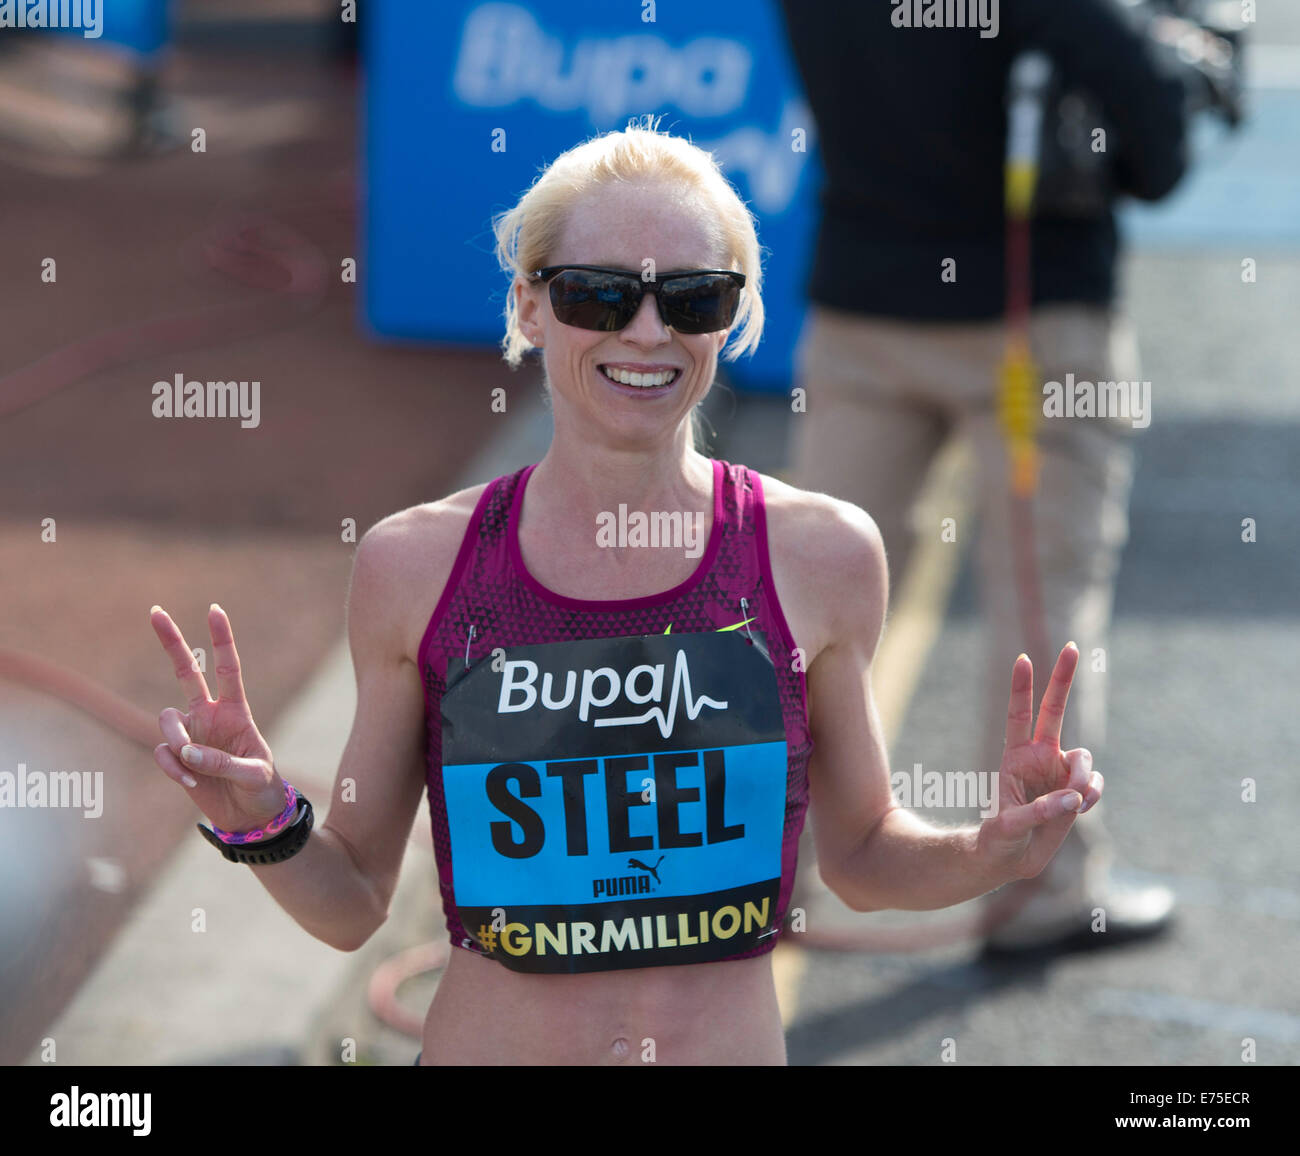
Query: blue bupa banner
x,y
616,802
444,80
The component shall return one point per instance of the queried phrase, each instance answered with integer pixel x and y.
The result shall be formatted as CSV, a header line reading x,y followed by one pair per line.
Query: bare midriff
x,y
706,1013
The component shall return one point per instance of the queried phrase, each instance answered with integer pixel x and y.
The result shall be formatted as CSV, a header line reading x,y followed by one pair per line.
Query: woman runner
x,y
619,676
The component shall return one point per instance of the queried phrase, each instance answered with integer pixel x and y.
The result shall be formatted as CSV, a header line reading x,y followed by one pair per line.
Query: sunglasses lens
x,y
606,302
599,301
702,304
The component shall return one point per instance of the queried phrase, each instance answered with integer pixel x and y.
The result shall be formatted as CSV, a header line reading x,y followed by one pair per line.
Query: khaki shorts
x,y
882,398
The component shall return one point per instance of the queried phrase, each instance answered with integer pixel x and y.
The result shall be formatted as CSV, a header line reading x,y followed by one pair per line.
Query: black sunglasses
x,y
589,297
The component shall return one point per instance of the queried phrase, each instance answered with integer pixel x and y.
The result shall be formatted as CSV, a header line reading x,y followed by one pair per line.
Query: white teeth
x,y
642,380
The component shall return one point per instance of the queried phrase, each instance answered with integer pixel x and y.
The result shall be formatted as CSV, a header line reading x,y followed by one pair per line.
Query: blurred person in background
x,y
906,326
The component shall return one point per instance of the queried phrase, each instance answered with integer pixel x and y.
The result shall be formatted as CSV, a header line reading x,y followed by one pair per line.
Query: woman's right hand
x,y
227,767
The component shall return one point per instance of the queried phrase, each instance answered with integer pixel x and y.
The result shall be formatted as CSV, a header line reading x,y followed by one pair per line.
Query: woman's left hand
x,y
1040,788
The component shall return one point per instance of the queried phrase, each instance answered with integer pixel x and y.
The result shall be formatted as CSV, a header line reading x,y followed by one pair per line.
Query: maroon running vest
x,y
615,784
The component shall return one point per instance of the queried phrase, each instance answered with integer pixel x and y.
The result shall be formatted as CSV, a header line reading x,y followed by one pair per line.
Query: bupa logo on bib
x,y
616,802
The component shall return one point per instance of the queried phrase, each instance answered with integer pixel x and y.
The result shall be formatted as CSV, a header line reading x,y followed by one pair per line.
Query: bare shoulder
x,y
401,567
828,560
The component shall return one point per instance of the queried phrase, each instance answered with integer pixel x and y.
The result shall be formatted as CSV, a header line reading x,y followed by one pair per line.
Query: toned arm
x,y
872,853
340,886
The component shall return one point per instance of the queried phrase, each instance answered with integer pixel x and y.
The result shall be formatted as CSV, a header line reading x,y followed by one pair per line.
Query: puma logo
x,y
642,866
627,884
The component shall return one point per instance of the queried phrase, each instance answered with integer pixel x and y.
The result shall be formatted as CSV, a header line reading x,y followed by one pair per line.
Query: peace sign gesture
x,y
1040,787
214,748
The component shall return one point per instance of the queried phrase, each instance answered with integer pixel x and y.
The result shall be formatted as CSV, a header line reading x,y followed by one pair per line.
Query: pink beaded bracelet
x,y
273,827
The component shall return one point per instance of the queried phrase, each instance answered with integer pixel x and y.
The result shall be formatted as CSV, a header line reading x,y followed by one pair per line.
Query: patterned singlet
x,y
622,783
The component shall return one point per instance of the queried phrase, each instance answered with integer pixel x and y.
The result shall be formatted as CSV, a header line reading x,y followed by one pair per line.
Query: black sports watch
x,y
281,846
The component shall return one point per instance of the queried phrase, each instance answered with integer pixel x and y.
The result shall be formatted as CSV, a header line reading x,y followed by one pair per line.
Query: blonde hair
x,y
527,234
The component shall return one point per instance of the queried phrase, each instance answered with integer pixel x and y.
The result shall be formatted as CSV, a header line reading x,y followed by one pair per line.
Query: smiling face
x,y
619,227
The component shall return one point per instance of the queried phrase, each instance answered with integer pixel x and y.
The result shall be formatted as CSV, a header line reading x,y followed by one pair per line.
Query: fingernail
x,y
1021,655
1073,643
192,755
1072,801
189,780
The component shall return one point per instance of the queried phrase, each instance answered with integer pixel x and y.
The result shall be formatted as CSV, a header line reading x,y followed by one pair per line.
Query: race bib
x,y
616,802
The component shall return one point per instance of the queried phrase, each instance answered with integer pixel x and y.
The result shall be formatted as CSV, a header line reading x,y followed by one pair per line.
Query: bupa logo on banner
x,y
467,100
616,802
